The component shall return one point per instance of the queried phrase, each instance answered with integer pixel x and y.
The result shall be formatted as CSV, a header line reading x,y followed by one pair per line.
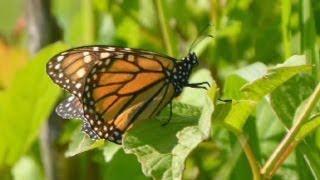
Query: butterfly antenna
x,y
201,37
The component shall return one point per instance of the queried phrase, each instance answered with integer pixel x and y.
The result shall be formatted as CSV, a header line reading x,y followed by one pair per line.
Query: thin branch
x,y
282,149
42,30
164,27
254,164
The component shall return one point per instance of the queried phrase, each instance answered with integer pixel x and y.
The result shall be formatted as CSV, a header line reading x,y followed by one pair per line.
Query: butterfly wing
x,y
124,88
71,108
70,68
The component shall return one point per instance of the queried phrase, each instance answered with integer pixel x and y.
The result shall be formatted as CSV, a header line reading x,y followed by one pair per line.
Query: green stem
x,y
164,27
267,170
254,164
285,19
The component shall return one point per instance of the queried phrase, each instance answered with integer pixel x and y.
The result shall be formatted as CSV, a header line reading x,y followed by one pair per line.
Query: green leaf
x,y
26,105
251,93
109,150
122,166
162,150
275,77
287,98
308,127
192,96
238,114
80,143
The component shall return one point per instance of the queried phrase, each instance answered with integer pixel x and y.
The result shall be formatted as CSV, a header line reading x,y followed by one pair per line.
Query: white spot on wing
x,y
57,66
130,58
87,59
110,49
81,72
60,58
78,85
104,55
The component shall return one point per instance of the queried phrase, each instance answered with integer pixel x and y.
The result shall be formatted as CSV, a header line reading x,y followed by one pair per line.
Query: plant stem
x,y
268,169
285,20
164,27
43,29
254,164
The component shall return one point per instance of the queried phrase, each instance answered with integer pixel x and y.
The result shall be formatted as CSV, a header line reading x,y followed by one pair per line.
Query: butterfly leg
x,y
225,100
170,116
199,85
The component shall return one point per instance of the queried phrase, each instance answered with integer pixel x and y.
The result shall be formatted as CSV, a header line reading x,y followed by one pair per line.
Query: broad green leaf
x,y
81,142
275,77
258,86
232,85
238,114
287,98
25,105
286,101
252,72
162,150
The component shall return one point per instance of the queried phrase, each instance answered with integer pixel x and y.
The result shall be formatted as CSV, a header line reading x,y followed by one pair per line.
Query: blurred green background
x,y
248,37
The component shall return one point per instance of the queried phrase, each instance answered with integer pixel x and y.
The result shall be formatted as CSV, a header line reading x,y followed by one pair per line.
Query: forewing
x,y
70,68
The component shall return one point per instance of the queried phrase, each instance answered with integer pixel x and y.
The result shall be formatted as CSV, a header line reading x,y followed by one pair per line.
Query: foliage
x,y
259,119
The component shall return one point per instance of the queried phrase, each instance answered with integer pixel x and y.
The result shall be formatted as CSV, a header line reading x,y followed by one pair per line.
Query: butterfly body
x,y
114,87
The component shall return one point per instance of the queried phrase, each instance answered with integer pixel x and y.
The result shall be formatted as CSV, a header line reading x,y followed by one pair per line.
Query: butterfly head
x,y
192,59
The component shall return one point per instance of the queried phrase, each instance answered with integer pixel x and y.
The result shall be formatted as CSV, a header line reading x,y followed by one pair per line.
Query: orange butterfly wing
x,y
125,88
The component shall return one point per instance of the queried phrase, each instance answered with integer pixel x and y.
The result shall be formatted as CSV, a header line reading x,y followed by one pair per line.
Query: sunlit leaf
x,y
162,150
81,142
25,105
275,77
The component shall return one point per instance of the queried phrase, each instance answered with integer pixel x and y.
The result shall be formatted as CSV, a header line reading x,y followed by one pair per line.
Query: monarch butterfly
x,y
112,87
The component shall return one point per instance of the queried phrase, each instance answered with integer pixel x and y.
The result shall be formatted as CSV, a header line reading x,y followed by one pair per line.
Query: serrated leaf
x,y
25,105
162,150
